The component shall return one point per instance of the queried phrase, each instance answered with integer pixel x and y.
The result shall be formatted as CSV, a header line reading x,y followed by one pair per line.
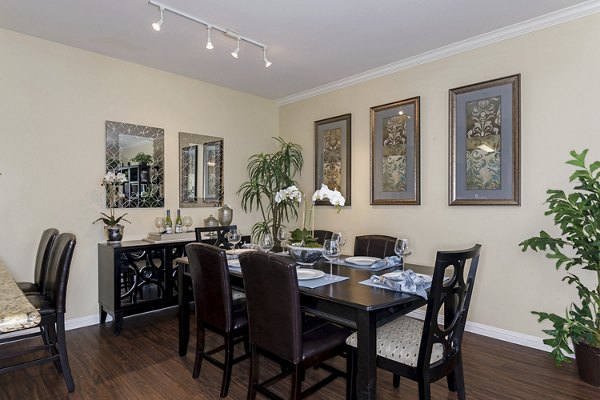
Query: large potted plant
x,y
269,173
577,214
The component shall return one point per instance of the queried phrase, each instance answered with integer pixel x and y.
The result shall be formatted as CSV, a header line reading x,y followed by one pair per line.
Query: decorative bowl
x,y
305,255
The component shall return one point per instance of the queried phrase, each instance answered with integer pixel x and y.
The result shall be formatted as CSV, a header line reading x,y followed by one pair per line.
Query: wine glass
x,y
159,222
266,242
234,237
340,237
187,222
331,251
283,235
402,250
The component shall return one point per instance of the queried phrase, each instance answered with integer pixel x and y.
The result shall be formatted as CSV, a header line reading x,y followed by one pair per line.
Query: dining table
x,y
347,302
16,312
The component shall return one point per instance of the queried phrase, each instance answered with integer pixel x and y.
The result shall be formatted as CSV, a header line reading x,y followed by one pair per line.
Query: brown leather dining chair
x,y
218,308
41,262
322,235
380,246
52,308
278,329
422,350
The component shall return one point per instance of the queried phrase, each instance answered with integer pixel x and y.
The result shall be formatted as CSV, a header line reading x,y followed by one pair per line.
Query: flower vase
x,y
113,234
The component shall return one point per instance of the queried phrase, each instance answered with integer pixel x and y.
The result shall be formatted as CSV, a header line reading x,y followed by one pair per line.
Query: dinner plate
x,y
239,251
305,274
360,260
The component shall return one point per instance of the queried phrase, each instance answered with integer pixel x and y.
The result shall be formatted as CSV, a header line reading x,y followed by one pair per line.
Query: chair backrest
x,y
374,246
220,239
55,286
273,303
321,236
455,295
210,281
43,256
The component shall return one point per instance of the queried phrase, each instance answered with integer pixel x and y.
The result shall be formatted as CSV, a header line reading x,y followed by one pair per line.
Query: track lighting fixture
x,y
229,33
209,44
236,52
156,25
265,59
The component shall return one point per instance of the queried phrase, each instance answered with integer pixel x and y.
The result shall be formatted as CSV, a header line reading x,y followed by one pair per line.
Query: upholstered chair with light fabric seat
x,y
422,350
219,308
41,263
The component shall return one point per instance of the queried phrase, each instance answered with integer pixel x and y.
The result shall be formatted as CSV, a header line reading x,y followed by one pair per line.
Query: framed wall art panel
x,y
332,155
485,143
395,153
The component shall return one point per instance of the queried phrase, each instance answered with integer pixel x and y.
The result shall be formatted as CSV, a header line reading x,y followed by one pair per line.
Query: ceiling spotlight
x,y
209,44
236,52
156,25
266,60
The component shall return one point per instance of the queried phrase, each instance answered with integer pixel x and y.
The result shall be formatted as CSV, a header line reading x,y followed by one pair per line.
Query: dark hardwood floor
x,y
143,364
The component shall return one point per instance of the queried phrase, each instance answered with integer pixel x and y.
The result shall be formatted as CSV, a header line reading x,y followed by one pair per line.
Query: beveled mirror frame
x,y
200,177
149,193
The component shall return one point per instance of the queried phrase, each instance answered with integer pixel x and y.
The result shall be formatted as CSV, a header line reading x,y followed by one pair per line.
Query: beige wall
x,y
54,101
559,104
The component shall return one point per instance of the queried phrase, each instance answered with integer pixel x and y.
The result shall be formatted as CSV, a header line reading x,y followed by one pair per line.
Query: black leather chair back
x,y
221,235
321,236
374,246
455,293
55,287
43,256
273,303
210,281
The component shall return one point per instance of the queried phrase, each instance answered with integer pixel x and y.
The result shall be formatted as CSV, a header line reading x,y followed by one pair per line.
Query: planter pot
x,y
305,255
588,362
113,234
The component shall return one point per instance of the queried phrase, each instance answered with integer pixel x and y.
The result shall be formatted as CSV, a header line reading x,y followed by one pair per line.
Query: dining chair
x,y
51,307
321,235
422,350
41,262
380,246
279,330
218,309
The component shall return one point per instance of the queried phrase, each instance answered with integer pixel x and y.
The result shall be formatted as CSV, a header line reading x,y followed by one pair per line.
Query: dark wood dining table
x,y
348,303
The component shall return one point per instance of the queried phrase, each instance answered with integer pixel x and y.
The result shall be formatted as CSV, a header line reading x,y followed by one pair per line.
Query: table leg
x,y
366,371
183,303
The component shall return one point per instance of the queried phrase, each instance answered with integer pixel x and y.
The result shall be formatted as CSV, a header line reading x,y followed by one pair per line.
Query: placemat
x,y
315,283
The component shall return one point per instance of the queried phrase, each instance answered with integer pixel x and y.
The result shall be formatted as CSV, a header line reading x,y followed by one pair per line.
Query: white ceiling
x,y
313,44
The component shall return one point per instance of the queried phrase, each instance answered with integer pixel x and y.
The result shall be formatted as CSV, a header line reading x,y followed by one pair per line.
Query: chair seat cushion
x,y
43,305
237,295
28,287
400,339
320,337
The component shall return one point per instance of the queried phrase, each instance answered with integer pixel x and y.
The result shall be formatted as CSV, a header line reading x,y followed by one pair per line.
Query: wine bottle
x,y
178,223
168,223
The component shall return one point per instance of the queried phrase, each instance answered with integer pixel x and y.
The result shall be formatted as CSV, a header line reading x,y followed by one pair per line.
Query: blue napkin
x,y
388,262
406,281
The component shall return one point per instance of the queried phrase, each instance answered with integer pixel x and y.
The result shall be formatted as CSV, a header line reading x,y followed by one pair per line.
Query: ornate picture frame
x,y
485,131
333,155
395,153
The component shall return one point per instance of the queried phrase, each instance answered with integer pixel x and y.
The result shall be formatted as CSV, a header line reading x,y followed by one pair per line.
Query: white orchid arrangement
x,y
292,193
112,182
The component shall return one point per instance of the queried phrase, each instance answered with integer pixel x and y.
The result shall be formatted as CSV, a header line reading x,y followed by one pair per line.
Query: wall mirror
x,y
138,152
200,170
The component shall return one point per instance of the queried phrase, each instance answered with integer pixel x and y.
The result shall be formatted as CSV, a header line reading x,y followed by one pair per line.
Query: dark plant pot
x,y
113,234
588,362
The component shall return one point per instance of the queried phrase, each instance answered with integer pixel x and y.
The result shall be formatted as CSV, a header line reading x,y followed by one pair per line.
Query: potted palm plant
x,y
577,214
269,173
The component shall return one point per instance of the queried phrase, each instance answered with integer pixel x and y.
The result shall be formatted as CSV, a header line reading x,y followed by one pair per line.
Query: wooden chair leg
x,y
62,351
228,364
51,336
296,382
351,373
424,390
200,335
396,380
253,373
460,381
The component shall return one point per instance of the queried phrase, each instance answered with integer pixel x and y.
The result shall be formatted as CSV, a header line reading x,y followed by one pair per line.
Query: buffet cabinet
x,y
136,277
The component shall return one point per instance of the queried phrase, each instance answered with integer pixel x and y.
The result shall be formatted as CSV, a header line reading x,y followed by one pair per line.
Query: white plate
x,y
362,260
239,251
304,274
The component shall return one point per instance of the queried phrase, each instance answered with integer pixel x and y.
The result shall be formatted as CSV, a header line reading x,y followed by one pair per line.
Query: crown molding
x,y
522,28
